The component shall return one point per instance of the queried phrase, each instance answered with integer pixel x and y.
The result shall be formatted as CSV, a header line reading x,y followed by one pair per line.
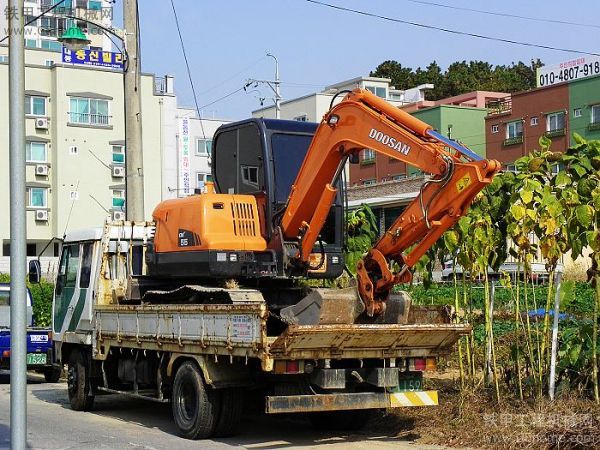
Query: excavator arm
x,y
362,120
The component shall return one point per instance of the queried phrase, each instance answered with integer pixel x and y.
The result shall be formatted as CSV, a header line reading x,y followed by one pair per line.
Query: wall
x,y
537,103
583,94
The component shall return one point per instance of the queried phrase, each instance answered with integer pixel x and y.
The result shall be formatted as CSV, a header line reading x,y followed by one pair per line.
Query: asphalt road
x,y
118,422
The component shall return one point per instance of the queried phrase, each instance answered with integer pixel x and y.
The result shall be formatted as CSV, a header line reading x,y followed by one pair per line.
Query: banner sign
x,y
96,58
573,69
184,186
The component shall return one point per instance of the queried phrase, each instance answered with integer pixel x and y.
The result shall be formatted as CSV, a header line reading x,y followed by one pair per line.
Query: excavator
x,y
275,210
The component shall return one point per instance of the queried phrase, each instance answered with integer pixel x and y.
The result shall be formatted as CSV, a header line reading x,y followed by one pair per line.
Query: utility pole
x,y
18,225
134,184
277,94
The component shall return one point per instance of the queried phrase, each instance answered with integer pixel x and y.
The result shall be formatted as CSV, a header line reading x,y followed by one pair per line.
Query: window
x,y
494,128
3,59
203,147
30,43
36,152
118,198
595,114
369,182
95,5
534,121
202,178
514,129
555,121
49,62
399,177
577,112
511,168
368,155
89,111
250,175
86,265
118,154
4,298
37,197
378,91
51,45
302,118
67,276
31,250
35,106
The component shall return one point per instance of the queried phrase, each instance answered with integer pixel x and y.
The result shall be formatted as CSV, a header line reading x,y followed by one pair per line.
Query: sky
x,y
227,41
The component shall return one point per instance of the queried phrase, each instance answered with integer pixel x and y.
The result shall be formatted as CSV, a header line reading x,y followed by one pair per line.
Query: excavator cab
x,y
232,230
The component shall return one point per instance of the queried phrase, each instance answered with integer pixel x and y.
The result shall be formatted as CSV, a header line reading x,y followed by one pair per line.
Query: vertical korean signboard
x,y
184,158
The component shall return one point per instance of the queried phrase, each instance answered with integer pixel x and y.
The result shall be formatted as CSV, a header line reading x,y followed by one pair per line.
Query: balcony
x,y
556,133
367,162
594,126
501,106
93,120
513,141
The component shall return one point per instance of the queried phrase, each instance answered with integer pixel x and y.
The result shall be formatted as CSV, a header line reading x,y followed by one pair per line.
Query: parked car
x,y
539,274
39,340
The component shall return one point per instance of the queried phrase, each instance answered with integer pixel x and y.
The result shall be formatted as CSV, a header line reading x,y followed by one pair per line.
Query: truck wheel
x,y
340,420
195,408
232,405
52,374
78,382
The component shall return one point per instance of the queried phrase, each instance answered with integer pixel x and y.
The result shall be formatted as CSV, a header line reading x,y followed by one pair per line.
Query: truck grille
x,y
244,219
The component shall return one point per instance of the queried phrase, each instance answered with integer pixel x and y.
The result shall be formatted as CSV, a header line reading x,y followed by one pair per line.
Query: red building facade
x,y
514,124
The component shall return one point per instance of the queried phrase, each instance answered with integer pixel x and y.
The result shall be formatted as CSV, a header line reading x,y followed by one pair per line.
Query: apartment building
x,y
44,32
514,125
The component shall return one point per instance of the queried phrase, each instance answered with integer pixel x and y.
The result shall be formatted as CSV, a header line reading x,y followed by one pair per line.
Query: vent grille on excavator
x,y
244,219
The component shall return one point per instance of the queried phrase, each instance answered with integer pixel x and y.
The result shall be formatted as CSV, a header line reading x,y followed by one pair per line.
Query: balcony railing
x,y
594,126
556,133
500,106
513,141
97,120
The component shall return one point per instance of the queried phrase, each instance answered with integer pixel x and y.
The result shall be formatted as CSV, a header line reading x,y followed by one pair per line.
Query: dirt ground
x,y
476,420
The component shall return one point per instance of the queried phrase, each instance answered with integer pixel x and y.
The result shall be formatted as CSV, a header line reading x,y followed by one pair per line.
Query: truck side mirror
x,y
35,271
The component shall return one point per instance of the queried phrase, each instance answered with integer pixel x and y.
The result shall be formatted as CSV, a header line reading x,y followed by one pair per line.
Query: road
x,y
118,422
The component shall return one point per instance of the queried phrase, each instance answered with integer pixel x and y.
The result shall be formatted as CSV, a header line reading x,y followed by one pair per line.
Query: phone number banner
x,y
573,69
96,58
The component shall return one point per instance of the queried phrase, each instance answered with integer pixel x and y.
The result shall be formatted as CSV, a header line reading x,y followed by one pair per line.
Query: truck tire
x,y
230,415
340,420
79,385
195,408
52,374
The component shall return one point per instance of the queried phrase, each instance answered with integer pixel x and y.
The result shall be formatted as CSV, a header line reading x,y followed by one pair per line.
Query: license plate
x,y
410,385
36,359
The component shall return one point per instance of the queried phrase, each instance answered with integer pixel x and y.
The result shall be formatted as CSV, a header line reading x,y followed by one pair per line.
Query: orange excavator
x,y
275,210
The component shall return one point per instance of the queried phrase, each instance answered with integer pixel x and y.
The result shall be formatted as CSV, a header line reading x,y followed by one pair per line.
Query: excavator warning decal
x,y
463,183
188,238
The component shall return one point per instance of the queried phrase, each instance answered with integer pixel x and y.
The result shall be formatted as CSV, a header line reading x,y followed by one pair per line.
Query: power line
x,y
223,98
233,76
188,69
448,30
514,16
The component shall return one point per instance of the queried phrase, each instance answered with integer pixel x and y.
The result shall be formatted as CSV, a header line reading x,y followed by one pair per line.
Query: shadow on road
x,y
32,377
258,430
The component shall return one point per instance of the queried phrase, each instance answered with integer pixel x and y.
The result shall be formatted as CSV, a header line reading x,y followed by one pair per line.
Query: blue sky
x,y
226,41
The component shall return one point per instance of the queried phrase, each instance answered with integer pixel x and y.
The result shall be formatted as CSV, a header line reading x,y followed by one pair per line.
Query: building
x,y
44,32
75,148
312,107
515,124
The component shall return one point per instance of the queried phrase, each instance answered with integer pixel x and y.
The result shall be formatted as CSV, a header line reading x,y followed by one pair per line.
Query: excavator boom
x,y
362,120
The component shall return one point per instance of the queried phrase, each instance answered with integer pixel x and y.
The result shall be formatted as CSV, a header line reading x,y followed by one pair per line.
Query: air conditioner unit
x,y
41,169
41,123
118,171
41,215
118,215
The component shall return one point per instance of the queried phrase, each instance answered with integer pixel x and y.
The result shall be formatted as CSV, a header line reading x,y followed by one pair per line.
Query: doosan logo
x,y
391,142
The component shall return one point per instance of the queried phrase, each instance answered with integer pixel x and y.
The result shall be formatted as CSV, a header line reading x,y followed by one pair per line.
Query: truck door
x,y
72,286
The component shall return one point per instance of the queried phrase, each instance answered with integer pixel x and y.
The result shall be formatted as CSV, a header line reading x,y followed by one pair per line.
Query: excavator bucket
x,y
344,306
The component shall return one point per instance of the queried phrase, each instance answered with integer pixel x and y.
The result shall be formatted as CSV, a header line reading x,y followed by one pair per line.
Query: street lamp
x,y
277,95
74,39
